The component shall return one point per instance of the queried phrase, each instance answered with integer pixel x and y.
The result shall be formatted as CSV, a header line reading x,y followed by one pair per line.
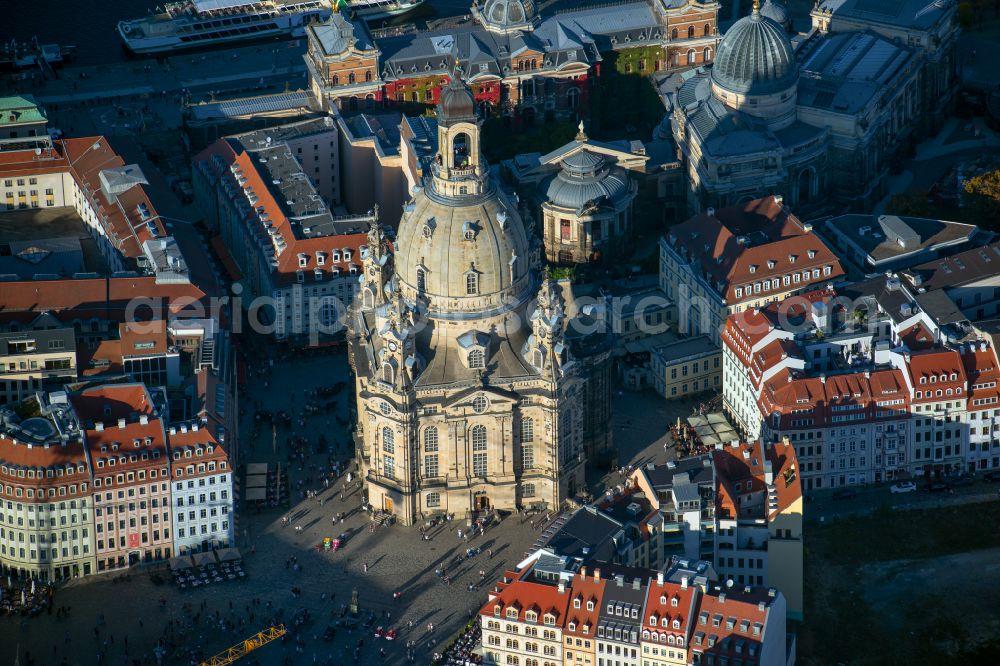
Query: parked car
x,y
961,481
991,476
904,487
845,494
937,486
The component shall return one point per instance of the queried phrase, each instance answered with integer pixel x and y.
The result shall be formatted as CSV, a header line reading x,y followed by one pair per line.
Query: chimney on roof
x,y
144,419
121,424
722,597
620,580
761,606
636,584
822,379
172,430
597,575
771,592
583,572
659,578
684,582
194,427
779,199
562,586
710,211
99,426
785,440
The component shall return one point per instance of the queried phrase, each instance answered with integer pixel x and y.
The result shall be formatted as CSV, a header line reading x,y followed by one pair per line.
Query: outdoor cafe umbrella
x,y
179,563
229,555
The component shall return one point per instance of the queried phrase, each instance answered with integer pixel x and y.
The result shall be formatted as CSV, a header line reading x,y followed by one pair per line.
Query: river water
x,y
90,25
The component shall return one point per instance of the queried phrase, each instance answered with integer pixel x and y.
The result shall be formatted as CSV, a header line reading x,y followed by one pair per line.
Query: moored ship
x,y
200,23
379,9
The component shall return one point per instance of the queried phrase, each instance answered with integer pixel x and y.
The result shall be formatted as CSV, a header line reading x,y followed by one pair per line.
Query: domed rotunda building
x,y
470,397
818,124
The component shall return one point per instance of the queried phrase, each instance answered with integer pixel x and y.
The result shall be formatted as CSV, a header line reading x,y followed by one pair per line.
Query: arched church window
x,y
691,57
460,149
527,429
478,438
472,284
477,359
336,80
352,79
708,29
388,440
673,34
691,32
421,280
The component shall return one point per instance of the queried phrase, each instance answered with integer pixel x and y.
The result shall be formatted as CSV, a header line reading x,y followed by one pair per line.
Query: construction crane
x,y
246,647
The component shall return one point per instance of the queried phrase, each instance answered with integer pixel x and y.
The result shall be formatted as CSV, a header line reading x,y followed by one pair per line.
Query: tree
x,y
983,197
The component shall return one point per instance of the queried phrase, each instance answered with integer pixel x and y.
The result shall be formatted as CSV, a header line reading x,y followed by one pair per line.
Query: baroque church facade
x,y
469,394
823,123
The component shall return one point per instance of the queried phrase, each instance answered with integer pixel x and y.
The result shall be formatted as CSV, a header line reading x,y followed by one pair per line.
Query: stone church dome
x,y
584,177
462,249
447,248
755,57
457,101
506,15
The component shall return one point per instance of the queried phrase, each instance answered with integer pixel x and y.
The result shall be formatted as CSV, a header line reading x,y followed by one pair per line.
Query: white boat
x,y
378,9
198,23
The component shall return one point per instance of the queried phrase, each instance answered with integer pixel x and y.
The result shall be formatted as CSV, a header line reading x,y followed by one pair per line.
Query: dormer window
x,y
753,268
303,259
673,602
347,255
335,256
477,359
576,603
812,254
321,258
771,264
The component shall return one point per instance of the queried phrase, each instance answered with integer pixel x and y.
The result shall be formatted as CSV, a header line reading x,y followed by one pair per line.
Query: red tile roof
x,y
584,589
136,336
96,298
523,596
777,244
932,371
62,457
737,613
671,602
111,402
981,368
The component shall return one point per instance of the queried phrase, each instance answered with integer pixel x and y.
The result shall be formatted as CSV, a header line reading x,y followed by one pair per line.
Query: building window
x,y
691,57
527,456
389,467
433,499
431,465
528,490
421,280
527,429
477,359
479,455
431,440
388,440
471,283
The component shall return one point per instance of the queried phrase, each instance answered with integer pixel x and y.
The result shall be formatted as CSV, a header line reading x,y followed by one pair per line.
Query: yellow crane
x,y
246,647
